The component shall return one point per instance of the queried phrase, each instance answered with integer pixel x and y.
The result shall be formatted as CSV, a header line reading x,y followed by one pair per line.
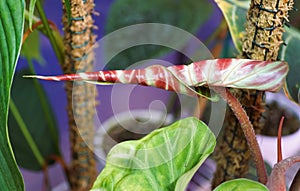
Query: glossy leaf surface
x,y
166,159
235,73
241,184
11,30
235,14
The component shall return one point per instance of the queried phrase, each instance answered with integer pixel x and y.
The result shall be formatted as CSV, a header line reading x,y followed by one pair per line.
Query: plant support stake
x,y
79,41
261,41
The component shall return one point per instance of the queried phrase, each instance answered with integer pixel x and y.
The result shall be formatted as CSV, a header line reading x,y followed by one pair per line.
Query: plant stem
x,y
26,133
276,180
248,130
55,46
279,135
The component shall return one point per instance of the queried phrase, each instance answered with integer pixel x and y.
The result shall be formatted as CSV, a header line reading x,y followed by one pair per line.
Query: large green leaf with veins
x,y
235,14
166,159
241,184
11,30
188,15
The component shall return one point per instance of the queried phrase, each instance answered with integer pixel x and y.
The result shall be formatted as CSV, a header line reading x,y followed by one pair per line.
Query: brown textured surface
x,y
232,153
79,41
263,30
262,40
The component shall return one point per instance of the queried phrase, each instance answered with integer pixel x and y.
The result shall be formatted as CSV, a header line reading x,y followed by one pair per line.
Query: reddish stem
x,y
62,163
36,25
276,180
248,130
279,135
46,185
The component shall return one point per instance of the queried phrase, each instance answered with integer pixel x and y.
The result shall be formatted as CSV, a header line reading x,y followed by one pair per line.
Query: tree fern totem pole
x,y
79,42
261,41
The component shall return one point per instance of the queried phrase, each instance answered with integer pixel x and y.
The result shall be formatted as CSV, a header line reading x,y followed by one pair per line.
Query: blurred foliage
x,y
26,98
188,15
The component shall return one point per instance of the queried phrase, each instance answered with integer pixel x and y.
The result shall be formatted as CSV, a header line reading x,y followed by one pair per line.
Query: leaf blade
x,y
11,29
241,184
33,142
235,14
159,160
187,15
31,12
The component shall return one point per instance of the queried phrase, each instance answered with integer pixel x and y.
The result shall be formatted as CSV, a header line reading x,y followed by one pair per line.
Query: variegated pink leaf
x,y
235,73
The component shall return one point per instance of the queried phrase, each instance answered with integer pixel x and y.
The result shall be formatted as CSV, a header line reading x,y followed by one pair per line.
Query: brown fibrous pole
x,y
261,41
79,42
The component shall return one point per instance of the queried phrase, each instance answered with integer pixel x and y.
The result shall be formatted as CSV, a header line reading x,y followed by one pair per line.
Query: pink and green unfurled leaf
x,y
234,73
235,11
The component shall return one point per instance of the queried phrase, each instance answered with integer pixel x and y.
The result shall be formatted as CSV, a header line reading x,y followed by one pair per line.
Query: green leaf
x,y
11,30
290,54
188,15
26,99
166,159
235,14
68,10
31,47
31,12
241,184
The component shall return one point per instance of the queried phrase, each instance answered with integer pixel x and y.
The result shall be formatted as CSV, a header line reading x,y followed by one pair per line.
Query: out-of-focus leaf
x,y
235,14
241,184
11,31
290,54
27,101
252,175
31,12
188,15
59,41
68,9
166,159
31,47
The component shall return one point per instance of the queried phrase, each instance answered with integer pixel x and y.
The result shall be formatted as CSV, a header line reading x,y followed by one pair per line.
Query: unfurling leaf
x,y
235,73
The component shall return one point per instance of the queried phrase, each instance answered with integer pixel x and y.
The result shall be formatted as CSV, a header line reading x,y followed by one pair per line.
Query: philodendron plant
x,y
167,158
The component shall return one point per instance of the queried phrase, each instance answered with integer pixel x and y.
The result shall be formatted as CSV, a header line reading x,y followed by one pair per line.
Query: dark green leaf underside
x,y
27,101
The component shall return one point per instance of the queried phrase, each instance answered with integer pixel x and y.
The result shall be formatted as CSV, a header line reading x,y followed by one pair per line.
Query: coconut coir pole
x,y
261,41
79,41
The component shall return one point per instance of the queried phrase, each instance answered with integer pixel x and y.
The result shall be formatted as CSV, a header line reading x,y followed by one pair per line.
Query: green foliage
x,y
187,15
46,141
241,184
31,47
290,54
68,9
235,14
11,30
166,159
31,12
